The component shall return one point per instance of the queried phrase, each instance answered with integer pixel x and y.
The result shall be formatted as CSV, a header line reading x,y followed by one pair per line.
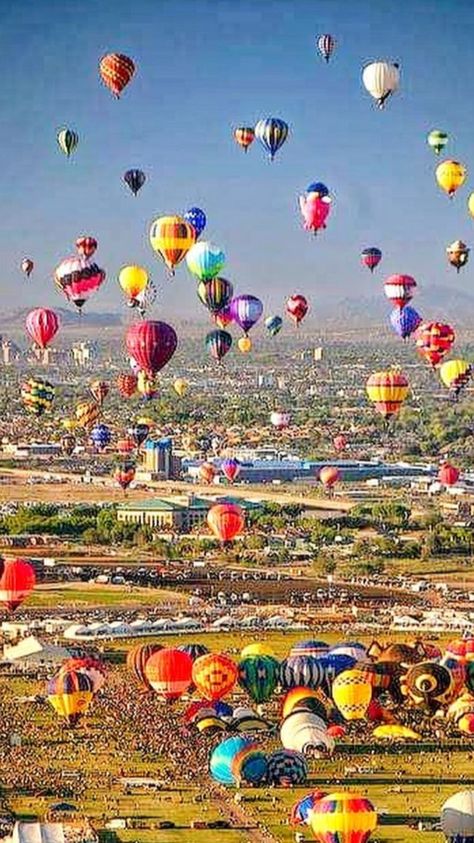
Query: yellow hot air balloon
x,y
387,390
87,413
352,694
470,204
455,374
342,817
172,238
245,345
450,175
180,386
133,280
70,693
395,732
69,424
257,649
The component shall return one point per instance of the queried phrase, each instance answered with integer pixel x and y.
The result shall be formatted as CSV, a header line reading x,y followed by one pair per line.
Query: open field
x,y
71,595
405,785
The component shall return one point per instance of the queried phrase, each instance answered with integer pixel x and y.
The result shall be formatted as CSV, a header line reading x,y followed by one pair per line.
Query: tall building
x,y
84,353
159,460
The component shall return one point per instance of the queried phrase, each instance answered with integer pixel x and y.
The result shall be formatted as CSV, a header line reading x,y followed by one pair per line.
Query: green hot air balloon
x,y
259,675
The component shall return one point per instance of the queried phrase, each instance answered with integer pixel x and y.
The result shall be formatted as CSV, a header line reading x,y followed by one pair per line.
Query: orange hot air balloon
x,y
214,675
137,659
17,580
329,475
169,672
244,136
434,340
116,71
127,385
226,521
207,472
387,390
125,445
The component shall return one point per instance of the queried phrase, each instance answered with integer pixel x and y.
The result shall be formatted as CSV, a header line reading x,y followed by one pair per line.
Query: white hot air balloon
x,y
381,78
457,817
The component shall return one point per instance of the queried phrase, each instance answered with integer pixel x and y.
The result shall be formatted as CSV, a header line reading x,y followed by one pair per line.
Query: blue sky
x,y
205,66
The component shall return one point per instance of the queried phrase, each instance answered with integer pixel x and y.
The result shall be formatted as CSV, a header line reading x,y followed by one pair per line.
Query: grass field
x,y
411,784
71,595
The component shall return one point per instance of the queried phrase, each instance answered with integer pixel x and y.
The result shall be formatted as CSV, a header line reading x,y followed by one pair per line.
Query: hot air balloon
x,y
37,395
371,257
381,79
299,671
301,810
207,472
139,432
215,294
387,390
405,321
223,755
134,179
450,176
125,445
205,260
448,474
246,311
169,672
151,344
259,675
226,521
280,419
272,134
230,468
70,693
428,685
133,280
340,442
124,474
194,651
147,387
218,343
326,45
197,219
68,443
116,71
286,768
86,246
273,324
458,254
127,385
42,325
250,766
89,666
314,210
352,693
244,136
223,317
257,648
244,344
343,817
434,340
180,386
470,204
146,299
457,817
99,391
297,308
17,581
214,675
437,140
171,238
87,413
306,732
455,374
67,141
399,289
137,658
101,436
329,476
78,278
395,732
27,266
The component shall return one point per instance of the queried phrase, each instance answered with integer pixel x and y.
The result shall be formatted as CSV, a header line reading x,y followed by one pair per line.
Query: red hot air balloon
x,y
116,71
297,308
448,474
226,520
340,442
124,474
230,469
126,445
399,289
151,344
371,257
42,325
169,672
434,340
86,246
329,475
17,580
127,385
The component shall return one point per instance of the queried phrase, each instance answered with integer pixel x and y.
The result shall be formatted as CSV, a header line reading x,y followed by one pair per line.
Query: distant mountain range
x,y
69,319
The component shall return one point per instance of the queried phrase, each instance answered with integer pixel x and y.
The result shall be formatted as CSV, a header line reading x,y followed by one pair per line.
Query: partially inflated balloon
x,y
116,71
205,260
17,580
272,134
244,136
171,238
226,520
42,325
218,343
151,344
381,79
134,179
78,278
246,311
450,176
67,141
197,218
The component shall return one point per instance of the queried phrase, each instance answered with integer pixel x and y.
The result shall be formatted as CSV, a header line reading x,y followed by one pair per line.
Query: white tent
x,y
36,832
33,651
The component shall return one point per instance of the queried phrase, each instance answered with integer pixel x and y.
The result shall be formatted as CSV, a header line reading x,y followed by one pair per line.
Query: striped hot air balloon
x,y
37,395
244,136
127,385
218,343
137,659
70,693
78,278
326,45
455,374
400,289
87,413
272,134
387,390
434,340
171,238
67,141
297,671
343,818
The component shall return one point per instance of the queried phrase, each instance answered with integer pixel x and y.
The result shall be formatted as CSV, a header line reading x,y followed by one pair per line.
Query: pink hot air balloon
x,y
315,210
151,344
42,325
279,420
297,308
231,469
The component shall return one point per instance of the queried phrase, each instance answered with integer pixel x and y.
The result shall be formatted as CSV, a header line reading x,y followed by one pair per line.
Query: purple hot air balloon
x,y
405,321
246,311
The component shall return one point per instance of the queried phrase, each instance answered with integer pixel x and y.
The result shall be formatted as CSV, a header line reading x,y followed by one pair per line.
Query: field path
x,y
240,815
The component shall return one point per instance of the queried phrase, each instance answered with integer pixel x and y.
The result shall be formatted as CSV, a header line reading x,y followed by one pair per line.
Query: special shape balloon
x,y
42,325
458,254
27,266
314,210
272,134
171,238
116,71
297,308
381,79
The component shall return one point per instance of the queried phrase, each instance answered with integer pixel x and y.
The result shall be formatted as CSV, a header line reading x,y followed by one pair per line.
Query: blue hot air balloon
x,y
197,218
101,436
318,187
273,324
272,134
220,763
404,321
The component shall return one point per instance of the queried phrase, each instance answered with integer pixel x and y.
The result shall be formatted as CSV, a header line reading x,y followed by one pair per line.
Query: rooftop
x,y
185,502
